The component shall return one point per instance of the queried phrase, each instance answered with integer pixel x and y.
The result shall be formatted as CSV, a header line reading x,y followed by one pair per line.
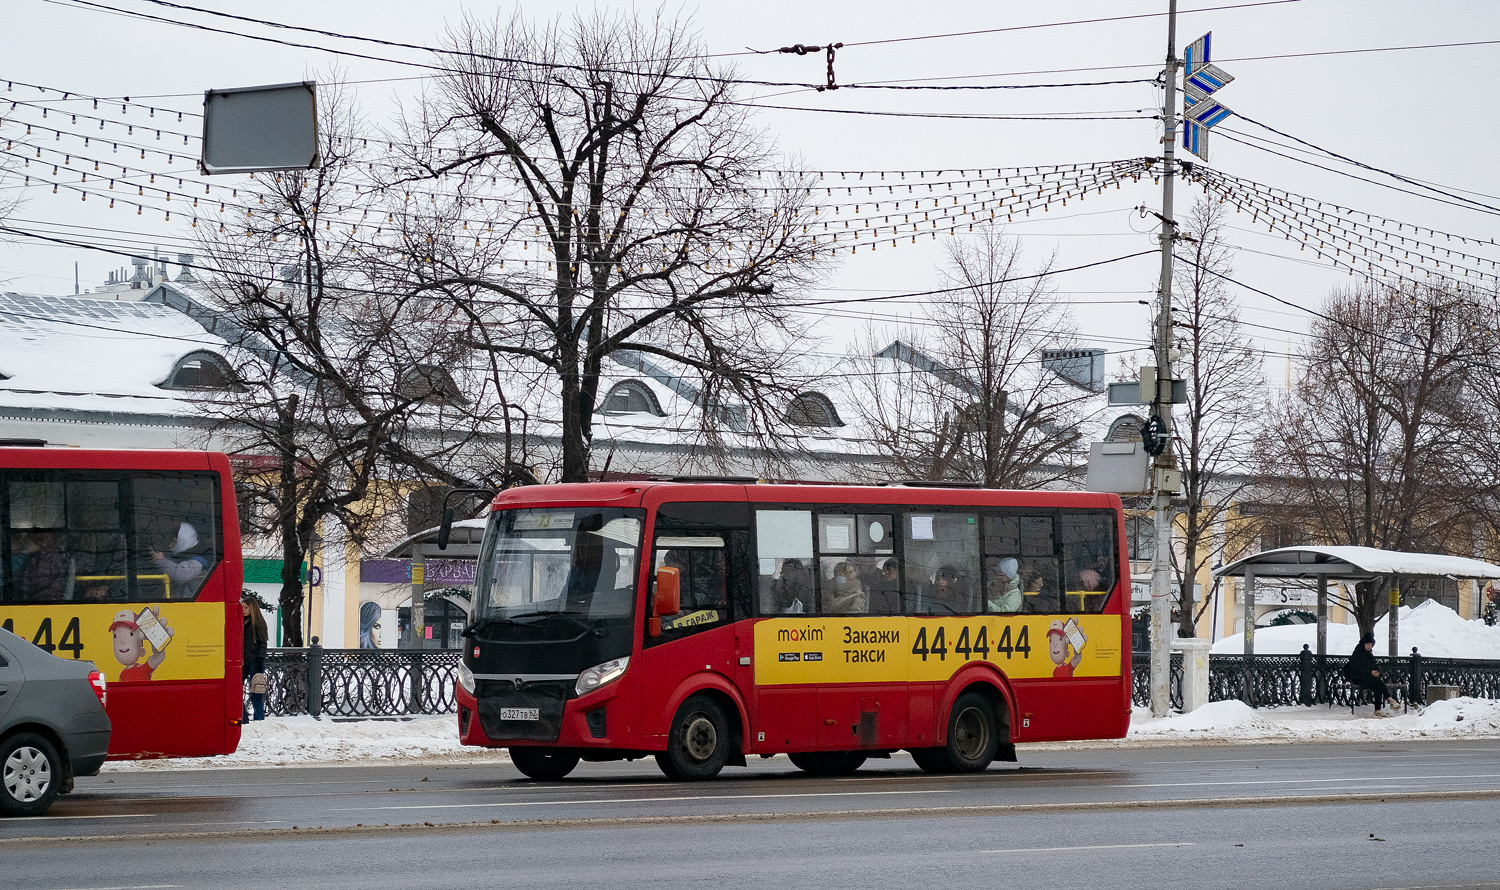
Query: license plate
x,y
520,714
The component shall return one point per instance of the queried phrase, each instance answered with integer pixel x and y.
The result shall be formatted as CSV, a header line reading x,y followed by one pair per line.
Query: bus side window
x,y
176,520
784,560
942,563
1089,560
1038,563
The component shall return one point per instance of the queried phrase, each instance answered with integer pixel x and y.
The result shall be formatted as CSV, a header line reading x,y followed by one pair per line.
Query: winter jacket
x,y
1361,663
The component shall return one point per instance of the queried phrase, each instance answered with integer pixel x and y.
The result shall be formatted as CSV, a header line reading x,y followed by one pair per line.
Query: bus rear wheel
x,y
698,745
973,735
931,760
544,764
828,763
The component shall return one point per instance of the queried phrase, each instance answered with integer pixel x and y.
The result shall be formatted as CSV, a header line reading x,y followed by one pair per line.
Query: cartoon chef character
x,y
130,645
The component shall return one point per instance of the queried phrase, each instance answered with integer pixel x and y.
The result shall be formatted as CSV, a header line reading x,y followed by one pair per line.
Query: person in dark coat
x,y
1361,671
256,637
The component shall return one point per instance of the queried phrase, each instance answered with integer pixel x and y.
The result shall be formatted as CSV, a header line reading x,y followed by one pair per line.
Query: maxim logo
x,y
799,635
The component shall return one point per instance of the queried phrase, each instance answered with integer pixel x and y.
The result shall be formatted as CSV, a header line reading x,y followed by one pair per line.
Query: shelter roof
x,y
1355,564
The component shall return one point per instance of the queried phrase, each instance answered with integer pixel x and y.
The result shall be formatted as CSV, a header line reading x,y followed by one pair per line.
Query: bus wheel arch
x,y
728,698
701,738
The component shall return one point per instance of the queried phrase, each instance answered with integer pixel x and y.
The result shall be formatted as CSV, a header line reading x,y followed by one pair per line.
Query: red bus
x,y
131,560
704,623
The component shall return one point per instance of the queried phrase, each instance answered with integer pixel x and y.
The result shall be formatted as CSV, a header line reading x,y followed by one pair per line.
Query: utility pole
x,y
1161,565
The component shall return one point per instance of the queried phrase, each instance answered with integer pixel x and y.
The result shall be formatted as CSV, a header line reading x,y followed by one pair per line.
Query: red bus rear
x,y
131,560
705,623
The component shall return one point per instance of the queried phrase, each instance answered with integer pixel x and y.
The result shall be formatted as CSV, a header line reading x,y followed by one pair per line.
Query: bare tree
x,y
967,396
1226,400
586,188
1372,442
350,388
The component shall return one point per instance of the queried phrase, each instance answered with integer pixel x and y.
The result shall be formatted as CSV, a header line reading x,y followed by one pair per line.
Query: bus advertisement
x,y
131,560
703,623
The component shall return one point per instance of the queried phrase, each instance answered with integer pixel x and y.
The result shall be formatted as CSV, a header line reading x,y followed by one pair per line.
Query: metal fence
x,y
1296,680
401,682
360,682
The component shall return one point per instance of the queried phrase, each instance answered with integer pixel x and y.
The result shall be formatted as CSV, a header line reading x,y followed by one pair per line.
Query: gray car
x,y
52,725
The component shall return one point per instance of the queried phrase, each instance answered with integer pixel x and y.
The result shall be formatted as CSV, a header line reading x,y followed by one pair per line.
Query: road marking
x,y
134,887
1072,849
1463,752
570,803
67,818
1306,781
1440,887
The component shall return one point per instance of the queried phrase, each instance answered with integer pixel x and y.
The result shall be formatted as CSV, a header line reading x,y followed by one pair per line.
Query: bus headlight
x,y
465,677
601,675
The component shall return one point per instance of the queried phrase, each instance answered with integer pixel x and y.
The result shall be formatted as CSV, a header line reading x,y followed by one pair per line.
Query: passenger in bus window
x,y
948,595
844,594
42,571
1039,586
885,588
189,557
795,592
1004,593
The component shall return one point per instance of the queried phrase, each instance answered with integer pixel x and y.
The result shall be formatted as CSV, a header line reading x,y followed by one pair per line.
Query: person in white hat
x,y
1004,589
191,556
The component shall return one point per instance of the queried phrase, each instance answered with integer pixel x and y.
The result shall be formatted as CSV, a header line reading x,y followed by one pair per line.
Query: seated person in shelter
x,y
947,596
1004,590
1361,671
843,593
885,589
188,560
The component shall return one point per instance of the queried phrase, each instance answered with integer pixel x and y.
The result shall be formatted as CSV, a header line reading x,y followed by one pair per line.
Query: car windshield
x,y
576,562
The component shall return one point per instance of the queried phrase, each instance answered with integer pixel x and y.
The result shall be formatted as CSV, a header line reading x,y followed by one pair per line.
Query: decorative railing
x,y
360,682
1296,679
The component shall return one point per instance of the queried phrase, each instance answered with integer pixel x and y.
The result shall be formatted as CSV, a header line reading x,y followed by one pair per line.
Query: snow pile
x,y
1434,629
1233,721
303,740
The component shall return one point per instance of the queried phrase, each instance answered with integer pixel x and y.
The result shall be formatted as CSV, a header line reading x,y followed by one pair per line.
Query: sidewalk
x,y
303,741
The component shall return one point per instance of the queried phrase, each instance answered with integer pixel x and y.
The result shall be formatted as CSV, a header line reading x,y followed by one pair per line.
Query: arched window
x,y
1126,428
201,371
812,409
631,397
429,383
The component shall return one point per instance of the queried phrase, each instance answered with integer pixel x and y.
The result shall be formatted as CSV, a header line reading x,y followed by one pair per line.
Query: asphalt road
x,y
1382,815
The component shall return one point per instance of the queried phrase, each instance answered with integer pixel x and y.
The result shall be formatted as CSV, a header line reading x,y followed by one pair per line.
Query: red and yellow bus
x,y
705,623
131,560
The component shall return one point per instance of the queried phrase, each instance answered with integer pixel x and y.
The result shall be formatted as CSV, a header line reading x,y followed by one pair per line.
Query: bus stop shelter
x,y
1383,568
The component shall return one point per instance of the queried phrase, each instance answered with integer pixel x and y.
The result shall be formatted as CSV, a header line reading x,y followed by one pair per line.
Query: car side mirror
x,y
667,600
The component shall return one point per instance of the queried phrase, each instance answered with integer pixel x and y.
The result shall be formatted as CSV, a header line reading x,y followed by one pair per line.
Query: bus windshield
x,y
581,563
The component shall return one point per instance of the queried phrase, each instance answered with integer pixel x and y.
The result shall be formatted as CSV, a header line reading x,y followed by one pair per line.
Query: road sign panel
x,y
1206,114
1209,78
1196,55
1195,139
1191,95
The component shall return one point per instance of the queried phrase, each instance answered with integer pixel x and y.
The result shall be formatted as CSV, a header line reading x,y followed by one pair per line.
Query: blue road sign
x,y
1208,113
1209,78
1196,55
1195,139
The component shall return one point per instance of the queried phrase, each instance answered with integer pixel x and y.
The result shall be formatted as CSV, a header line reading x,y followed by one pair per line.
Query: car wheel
x,y
828,763
543,763
972,734
30,775
698,745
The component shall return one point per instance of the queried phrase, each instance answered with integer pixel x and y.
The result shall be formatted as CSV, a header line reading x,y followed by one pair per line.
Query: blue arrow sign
x,y
1196,55
1206,114
1208,78
1195,139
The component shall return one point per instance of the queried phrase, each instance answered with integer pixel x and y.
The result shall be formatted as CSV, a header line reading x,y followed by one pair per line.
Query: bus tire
x,y
698,745
973,734
543,764
828,763
31,775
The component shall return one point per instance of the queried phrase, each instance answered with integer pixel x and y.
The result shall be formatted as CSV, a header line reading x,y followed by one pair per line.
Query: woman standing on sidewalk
x,y
256,637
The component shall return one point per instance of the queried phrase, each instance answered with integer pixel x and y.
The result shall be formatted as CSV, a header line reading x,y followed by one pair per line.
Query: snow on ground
x,y
1436,630
303,741
1226,722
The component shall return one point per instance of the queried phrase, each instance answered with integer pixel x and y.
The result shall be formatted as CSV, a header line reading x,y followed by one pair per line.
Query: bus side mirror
x,y
445,531
667,599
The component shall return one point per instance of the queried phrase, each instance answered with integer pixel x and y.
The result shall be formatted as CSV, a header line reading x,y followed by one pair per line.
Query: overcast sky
x,y
1421,112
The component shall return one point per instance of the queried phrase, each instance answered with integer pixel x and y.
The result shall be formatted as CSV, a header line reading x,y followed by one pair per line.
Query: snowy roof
x,y
1355,563
90,354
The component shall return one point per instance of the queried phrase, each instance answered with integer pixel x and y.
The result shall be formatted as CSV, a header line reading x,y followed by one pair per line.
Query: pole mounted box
x,y
256,129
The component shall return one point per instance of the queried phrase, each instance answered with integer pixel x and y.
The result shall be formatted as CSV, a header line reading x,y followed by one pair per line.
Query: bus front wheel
x,y
698,745
973,735
543,763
